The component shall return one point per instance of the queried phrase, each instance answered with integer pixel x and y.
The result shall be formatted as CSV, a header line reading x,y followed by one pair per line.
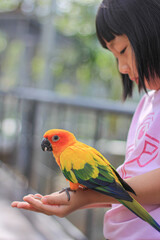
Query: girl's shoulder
x,y
149,96
150,100
152,95
147,112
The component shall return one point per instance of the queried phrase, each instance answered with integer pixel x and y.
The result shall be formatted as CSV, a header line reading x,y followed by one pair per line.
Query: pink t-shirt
x,y
142,155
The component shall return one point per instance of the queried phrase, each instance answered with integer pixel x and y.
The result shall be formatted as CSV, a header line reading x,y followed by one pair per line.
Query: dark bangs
x,y
104,31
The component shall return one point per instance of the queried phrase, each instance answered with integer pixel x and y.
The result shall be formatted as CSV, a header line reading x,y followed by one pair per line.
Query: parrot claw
x,y
67,192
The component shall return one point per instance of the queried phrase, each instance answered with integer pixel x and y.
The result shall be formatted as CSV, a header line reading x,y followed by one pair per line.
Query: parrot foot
x,y
67,190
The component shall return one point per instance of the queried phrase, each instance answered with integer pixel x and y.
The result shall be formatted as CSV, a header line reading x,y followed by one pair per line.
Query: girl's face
x,y
122,50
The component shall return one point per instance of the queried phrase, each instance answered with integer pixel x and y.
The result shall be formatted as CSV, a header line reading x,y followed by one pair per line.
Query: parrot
x,y
85,167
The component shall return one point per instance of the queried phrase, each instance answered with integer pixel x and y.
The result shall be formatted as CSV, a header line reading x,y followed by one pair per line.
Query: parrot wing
x,y
84,165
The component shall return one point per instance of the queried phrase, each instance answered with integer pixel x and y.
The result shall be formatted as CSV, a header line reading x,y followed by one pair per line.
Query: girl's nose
x,y
123,68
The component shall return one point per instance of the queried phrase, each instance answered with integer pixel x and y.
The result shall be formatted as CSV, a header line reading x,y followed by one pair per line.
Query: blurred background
x,y
54,74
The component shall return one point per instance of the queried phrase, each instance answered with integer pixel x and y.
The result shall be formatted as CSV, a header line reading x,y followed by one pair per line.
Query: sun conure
x,y
85,167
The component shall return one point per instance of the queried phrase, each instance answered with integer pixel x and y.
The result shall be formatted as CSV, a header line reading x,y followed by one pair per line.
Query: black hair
x,y
139,20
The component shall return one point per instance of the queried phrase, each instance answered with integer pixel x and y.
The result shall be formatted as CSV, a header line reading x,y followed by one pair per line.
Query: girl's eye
x,y
55,138
123,50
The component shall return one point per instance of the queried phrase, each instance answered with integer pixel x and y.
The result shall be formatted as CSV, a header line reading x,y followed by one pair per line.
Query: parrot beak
x,y
46,145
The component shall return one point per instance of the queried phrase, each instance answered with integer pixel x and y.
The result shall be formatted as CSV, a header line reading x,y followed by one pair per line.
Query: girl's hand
x,y
54,204
58,204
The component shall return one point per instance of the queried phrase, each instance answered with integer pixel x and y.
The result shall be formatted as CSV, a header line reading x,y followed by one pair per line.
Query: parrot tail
x,y
137,209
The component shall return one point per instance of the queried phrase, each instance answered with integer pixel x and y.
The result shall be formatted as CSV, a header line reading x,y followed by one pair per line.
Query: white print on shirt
x,y
149,148
143,127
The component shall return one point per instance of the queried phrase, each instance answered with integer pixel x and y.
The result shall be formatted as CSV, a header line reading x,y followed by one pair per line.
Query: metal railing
x,y
35,110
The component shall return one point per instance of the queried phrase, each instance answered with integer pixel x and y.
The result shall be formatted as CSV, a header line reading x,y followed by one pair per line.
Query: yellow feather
x,y
73,177
95,173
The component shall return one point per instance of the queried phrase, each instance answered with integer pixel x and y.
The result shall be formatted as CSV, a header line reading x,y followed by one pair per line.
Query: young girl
x,y
130,30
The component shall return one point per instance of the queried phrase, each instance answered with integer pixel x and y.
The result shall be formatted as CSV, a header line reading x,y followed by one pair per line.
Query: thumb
x,y
55,199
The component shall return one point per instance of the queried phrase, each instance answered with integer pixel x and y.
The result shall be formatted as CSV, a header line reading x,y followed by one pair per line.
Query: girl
x,y
130,30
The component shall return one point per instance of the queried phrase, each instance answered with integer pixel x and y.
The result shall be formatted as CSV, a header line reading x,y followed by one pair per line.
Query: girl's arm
x,y
58,204
146,186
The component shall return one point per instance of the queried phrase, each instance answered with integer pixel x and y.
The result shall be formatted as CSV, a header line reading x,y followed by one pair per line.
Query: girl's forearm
x,y
146,187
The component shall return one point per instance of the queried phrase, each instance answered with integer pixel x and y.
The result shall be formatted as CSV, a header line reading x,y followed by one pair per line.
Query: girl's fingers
x,y
36,203
14,204
57,208
31,199
24,205
38,196
53,204
38,200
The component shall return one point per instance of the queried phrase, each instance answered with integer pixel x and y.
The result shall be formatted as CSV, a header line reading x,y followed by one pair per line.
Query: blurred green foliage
x,y
77,63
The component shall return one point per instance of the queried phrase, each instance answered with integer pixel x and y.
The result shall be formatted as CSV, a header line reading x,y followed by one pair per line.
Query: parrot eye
x,y
55,138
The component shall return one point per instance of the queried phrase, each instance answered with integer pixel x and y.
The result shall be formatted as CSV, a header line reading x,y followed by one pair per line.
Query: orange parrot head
x,y
56,140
